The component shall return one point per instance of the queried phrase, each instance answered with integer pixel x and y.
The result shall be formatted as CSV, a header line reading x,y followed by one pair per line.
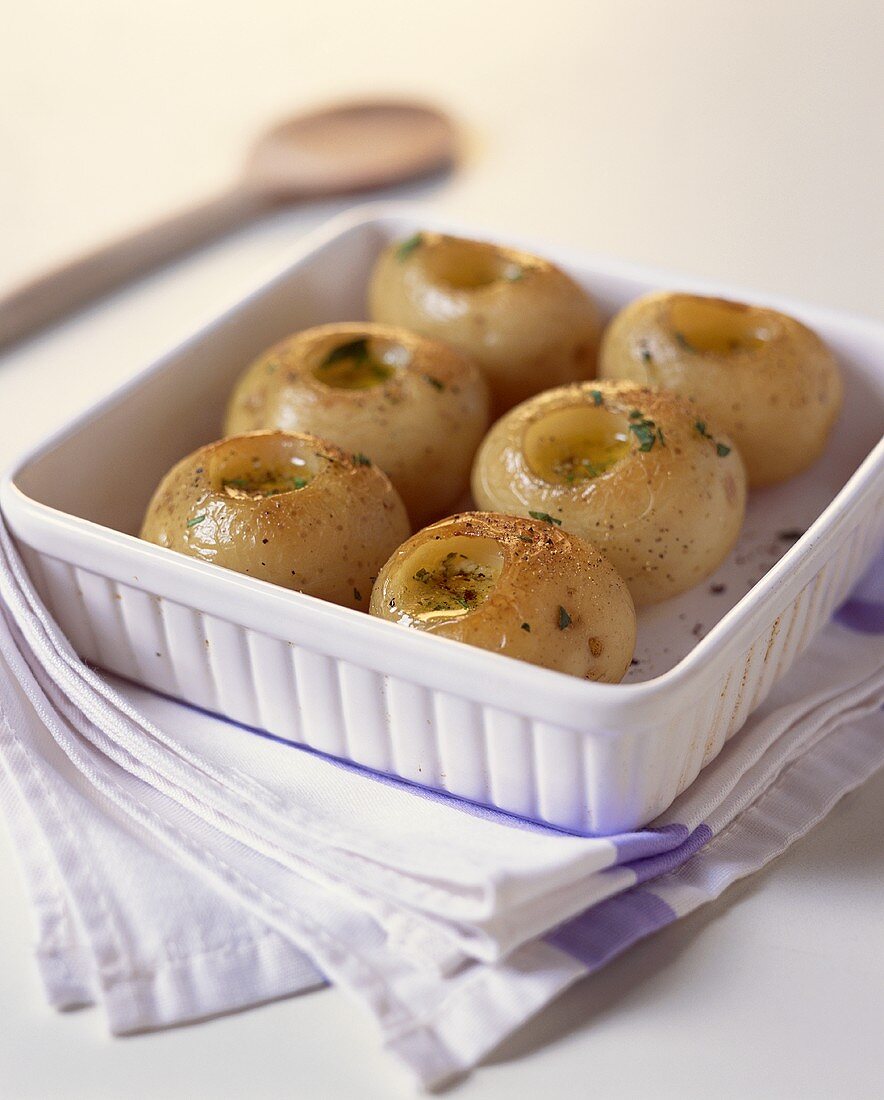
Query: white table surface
x,y
736,140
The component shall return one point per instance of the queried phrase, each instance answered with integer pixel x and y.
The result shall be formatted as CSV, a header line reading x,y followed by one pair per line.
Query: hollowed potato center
x,y
576,444
260,471
469,265
710,326
447,579
360,363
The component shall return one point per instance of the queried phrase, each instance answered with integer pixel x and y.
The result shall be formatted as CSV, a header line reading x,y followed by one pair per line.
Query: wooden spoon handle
x,y
72,285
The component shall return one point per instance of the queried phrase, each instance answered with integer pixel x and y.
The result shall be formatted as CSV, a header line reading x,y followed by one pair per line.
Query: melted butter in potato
x,y
473,265
353,366
710,326
266,484
447,580
576,444
258,478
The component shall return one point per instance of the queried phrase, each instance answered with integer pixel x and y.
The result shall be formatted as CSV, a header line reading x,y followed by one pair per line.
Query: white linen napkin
x,y
180,867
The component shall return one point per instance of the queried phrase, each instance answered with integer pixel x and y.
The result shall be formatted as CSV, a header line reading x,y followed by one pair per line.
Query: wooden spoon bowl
x,y
351,147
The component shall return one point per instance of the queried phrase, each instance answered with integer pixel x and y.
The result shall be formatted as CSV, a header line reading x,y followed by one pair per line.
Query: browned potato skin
x,y
421,426
665,518
545,569
526,334
328,539
777,402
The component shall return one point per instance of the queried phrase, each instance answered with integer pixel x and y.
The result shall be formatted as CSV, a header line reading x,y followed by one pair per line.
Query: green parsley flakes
x,y
361,460
545,517
564,618
597,397
645,432
405,248
721,449
196,519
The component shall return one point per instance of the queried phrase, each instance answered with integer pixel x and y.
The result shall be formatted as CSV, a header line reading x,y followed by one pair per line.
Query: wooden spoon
x,y
338,150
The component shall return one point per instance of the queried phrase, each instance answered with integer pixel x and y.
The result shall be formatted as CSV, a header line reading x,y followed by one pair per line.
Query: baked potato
x,y
283,507
516,586
638,472
417,407
760,375
525,322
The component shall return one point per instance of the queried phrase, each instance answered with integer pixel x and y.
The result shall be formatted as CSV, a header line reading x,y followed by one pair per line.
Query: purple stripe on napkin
x,y
667,861
648,842
601,933
864,616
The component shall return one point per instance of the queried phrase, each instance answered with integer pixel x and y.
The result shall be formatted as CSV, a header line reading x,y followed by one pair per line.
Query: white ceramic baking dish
x,y
584,756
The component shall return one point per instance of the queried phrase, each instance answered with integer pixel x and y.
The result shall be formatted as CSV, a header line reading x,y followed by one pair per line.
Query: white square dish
x,y
584,756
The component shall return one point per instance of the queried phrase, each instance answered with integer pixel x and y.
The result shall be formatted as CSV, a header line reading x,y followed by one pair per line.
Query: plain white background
x,y
738,140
